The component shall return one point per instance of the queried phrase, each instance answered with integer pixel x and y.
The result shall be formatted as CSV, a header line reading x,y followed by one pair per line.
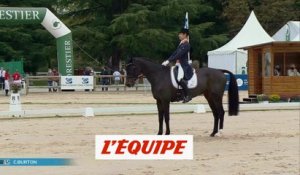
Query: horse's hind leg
x,y
211,101
217,100
221,117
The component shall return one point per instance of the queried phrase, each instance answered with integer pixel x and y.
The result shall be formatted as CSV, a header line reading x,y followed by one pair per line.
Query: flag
x,y
186,26
186,21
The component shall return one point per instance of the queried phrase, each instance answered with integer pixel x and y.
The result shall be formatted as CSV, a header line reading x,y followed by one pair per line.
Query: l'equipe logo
x,y
144,147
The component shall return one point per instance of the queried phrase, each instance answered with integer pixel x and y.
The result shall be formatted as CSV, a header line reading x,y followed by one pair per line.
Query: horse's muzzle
x,y
129,84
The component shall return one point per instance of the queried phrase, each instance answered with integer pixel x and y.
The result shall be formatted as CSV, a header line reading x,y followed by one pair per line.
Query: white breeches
x,y
180,72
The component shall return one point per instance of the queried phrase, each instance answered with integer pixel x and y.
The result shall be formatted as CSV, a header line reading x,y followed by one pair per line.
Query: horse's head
x,y
133,73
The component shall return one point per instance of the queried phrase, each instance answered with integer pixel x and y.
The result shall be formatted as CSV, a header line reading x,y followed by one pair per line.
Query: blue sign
x,y
241,80
34,162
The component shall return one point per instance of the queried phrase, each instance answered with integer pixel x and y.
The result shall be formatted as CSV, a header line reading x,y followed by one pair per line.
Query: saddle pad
x,y
192,83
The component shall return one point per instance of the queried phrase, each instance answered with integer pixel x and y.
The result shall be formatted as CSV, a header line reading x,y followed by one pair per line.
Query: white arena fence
x,y
40,84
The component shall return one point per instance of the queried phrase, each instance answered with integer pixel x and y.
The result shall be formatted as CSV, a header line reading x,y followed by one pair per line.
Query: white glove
x,y
165,63
190,61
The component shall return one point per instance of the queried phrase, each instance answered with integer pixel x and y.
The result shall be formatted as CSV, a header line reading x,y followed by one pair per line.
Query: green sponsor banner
x,y
13,15
65,54
24,15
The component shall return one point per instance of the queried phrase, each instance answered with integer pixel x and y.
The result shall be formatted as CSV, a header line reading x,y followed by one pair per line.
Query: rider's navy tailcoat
x,y
181,54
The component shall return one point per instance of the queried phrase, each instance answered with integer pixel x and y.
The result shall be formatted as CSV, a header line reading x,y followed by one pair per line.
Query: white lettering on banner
x,y
9,15
68,57
35,15
143,147
19,15
77,82
28,15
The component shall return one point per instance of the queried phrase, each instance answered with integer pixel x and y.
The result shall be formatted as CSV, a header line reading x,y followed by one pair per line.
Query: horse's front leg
x,y
167,117
160,116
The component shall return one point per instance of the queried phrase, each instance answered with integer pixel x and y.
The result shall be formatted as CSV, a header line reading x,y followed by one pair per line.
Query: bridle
x,y
133,77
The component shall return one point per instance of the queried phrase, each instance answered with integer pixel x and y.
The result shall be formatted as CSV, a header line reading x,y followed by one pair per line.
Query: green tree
x,y
235,13
143,28
272,14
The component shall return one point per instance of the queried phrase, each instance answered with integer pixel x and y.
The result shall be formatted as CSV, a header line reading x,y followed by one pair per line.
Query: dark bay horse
x,y
211,83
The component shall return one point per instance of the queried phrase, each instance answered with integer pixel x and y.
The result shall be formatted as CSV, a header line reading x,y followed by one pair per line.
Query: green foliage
x,y
107,31
272,14
236,12
15,87
262,97
274,98
295,98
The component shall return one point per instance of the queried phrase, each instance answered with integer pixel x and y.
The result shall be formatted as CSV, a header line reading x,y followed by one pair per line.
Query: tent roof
x,y
274,43
292,27
252,33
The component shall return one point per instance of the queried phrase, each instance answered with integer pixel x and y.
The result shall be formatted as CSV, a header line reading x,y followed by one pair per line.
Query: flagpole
x,y
186,26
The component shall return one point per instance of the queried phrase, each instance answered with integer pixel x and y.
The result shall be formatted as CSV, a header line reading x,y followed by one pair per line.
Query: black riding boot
x,y
186,97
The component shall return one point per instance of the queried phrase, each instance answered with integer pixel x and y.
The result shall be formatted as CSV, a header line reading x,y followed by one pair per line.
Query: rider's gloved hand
x,y
165,63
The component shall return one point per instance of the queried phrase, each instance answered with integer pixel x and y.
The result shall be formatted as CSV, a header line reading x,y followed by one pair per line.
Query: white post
x,y
15,107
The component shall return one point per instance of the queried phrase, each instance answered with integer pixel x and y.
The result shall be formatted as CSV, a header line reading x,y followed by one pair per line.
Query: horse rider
x,y
181,57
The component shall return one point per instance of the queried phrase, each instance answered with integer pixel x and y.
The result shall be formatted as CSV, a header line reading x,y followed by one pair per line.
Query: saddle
x,y
192,83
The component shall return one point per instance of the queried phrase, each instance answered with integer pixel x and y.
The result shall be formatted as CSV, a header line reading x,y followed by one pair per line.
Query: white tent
x,y
289,32
231,58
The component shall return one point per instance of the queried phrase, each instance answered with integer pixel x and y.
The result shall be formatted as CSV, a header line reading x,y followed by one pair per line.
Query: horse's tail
x,y
233,95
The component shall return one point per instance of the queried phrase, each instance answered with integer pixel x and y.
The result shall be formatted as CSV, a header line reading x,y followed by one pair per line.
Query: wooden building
x,y
270,66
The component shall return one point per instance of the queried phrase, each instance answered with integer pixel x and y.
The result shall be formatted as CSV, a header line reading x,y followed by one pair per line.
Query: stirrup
x,y
186,99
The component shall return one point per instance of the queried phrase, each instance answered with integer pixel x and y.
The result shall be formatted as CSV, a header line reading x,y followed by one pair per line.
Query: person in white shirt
x,y
277,71
292,71
117,78
2,75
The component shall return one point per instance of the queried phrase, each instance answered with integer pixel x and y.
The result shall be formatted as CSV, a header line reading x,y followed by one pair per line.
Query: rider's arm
x,y
180,51
172,57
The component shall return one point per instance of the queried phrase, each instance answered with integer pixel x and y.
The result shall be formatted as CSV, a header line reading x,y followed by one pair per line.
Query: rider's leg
x,y
186,97
180,72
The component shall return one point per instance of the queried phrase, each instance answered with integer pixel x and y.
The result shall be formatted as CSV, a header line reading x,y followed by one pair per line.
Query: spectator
x,y
105,80
277,70
50,74
292,71
6,82
243,70
17,77
87,72
2,75
55,80
123,72
117,78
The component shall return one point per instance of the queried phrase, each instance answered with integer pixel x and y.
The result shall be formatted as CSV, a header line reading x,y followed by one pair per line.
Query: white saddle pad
x,y
192,83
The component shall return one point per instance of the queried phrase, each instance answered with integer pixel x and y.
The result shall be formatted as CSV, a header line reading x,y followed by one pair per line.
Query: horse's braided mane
x,y
152,62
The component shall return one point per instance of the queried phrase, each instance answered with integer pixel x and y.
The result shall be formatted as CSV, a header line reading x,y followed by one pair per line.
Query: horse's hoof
x,y
160,133
213,134
220,133
167,133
